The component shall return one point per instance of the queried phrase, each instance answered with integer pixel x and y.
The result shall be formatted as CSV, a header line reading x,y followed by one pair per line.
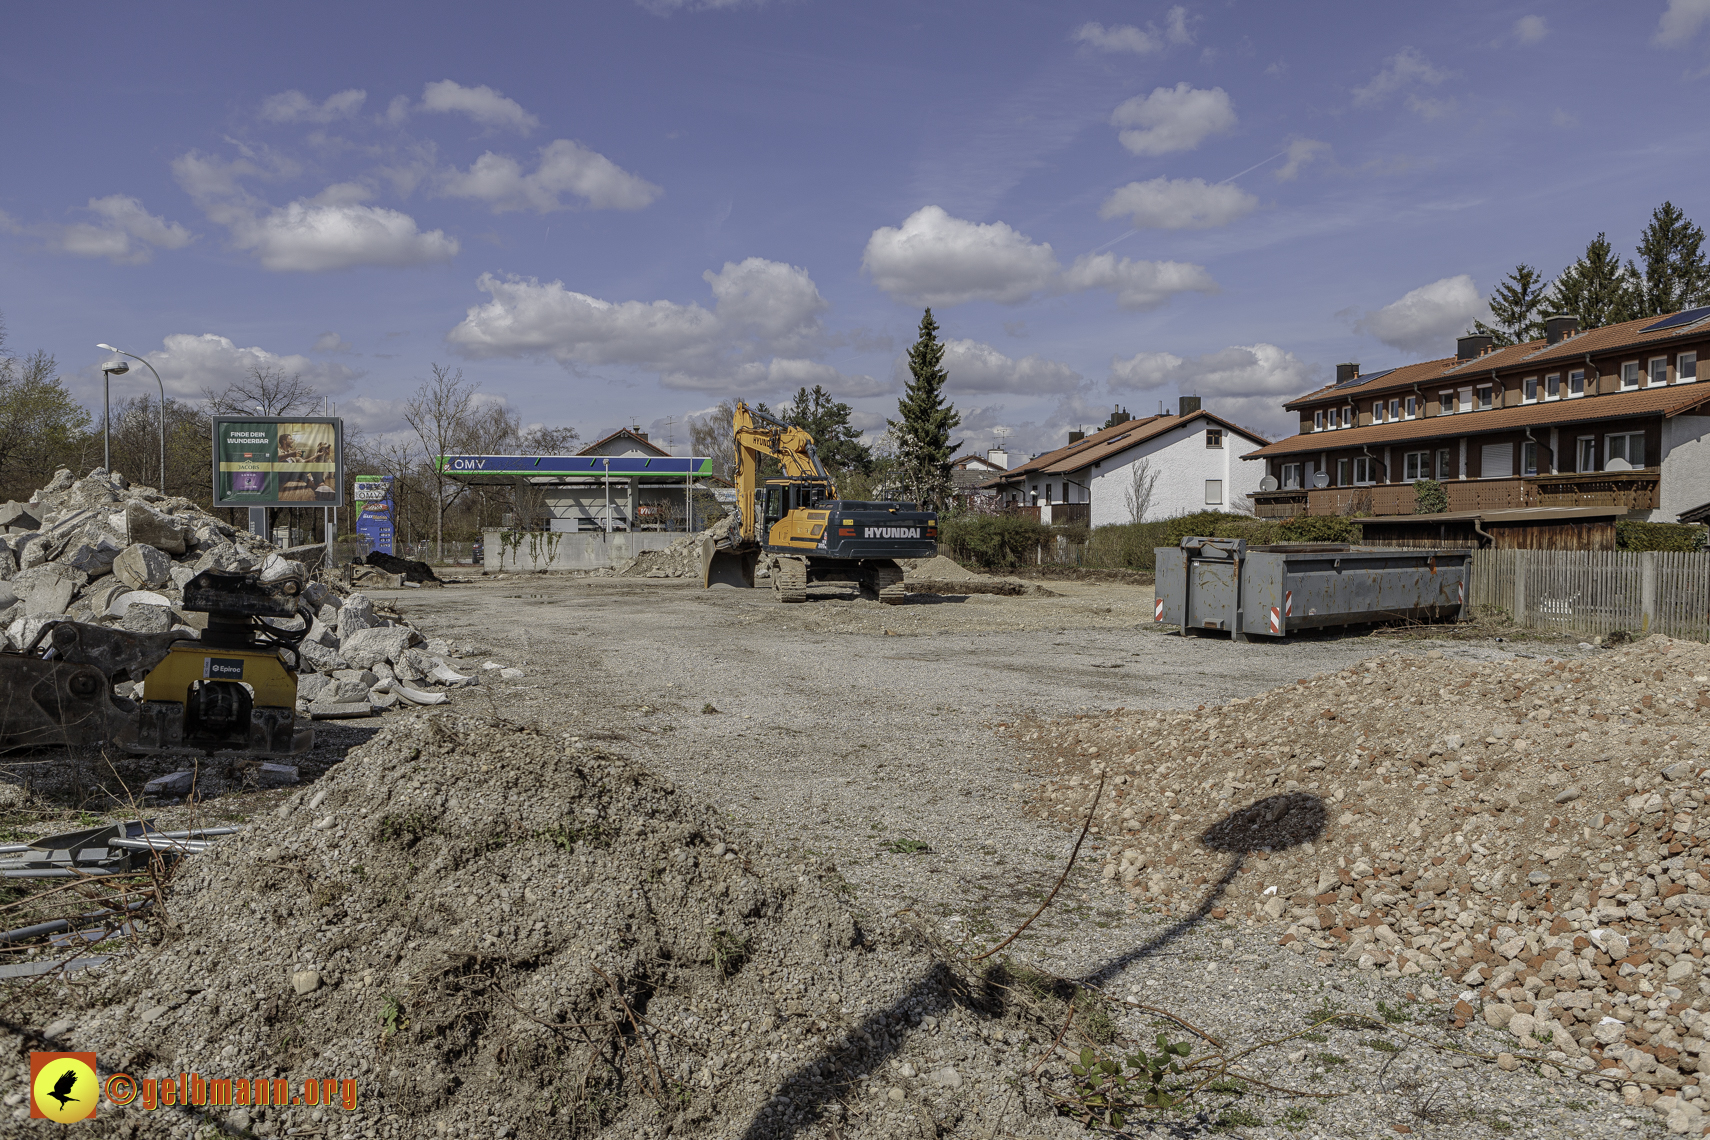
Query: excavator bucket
x,y
726,567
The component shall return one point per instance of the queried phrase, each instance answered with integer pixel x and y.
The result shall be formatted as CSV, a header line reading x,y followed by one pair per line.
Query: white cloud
x,y
1430,109
565,167
762,309
1118,37
124,232
1301,152
1138,285
1531,29
332,342
1179,204
786,374
1176,26
296,107
1680,22
1561,118
976,367
1426,319
483,104
188,363
1406,69
937,259
1172,119
1243,383
333,230
934,258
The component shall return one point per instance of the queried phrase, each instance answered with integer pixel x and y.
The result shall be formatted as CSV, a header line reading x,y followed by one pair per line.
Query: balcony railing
x,y
1631,490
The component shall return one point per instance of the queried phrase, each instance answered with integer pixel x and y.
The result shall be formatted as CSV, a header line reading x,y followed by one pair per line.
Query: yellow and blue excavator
x,y
802,530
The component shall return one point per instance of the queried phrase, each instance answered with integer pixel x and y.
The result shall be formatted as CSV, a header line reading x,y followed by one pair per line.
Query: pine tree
x,y
1595,288
1675,274
924,450
1517,307
827,420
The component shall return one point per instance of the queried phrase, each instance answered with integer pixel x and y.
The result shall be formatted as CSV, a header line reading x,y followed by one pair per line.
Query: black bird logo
x,y
62,1087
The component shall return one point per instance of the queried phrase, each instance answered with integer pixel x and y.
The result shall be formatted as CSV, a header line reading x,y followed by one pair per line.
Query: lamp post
x,y
119,367
107,371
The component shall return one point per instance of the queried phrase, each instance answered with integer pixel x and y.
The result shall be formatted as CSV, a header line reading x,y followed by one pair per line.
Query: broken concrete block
x,y
443,674
321,634
150,527
348,690
22,632
305,981
328,710
417,697
47,589
512,674
7,596
172,784
277,569
142,567
147,619
19,514
357,613
276,775
310,686
367,678
104,595
319,657
93,559
366,647
119,605
383,699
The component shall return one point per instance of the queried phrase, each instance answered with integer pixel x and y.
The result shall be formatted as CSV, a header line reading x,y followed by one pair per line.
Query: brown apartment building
x,y
1561,435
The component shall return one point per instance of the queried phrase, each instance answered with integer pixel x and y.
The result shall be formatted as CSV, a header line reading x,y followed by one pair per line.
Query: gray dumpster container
x,y
1270,591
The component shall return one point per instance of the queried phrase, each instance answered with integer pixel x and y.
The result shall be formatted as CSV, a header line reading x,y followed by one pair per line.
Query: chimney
x,y
1077,436
1559,326
1187,405
1119,416
1473,345
1347,372
998,456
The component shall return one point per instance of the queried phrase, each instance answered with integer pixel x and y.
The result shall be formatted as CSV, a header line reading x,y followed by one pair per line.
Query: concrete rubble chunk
x,y
147,619
153,528
46,589
120,605
357,613
22,515
305,981
363,648
443,674
172,784
310,686
340,710
142,567
270,775
320,657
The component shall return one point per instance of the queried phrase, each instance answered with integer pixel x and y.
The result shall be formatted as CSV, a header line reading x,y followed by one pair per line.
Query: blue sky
x,y
623,212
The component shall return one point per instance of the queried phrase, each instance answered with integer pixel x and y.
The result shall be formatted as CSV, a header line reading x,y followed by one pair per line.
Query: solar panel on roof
x,y
1685,317
1366,379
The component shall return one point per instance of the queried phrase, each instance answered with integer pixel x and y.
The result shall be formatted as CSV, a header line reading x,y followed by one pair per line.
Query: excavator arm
x,y
758,435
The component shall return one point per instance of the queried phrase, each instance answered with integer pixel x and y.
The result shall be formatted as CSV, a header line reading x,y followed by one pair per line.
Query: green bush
x,y
1633,535
993,541
1319,528
1125,546
1429,498
1131,545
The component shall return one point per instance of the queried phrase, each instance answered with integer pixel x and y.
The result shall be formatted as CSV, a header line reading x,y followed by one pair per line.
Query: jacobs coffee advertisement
x,y
277,462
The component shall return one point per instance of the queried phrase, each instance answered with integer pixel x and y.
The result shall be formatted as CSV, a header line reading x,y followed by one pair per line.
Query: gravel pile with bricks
x,y
1520,841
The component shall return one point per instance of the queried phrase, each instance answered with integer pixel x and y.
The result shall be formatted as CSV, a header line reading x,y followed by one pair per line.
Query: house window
x,y
1586,459
1048,497
1446,403
1484,398
1291,476
1659,371
1416,465
1630,446
1395,409
1365,471
1213,492
1318,420
1412,406
1348,416
1377,411
1444,471
1214,437
1629,375
1529,390
1553,386
1529,458
1686,368
1342,477
1576,382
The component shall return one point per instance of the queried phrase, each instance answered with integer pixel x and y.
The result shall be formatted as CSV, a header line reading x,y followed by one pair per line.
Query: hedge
x,y
1131,545
993,541
1634,535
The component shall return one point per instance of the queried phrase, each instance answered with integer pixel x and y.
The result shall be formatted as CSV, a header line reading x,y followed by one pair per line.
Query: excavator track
x,y
790,579
888,583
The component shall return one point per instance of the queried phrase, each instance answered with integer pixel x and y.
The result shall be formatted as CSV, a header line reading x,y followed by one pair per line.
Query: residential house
x,y
1573,431
1191,462
971,472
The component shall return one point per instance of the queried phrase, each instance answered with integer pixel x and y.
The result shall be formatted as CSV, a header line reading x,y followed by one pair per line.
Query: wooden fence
x,y
1595,592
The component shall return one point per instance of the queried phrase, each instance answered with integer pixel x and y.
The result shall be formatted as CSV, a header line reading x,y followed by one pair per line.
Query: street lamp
x,y
119,367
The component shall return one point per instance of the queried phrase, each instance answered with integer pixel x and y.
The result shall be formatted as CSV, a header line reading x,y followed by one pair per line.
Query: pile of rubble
x,y
103,551
682,559
495,932
1523,834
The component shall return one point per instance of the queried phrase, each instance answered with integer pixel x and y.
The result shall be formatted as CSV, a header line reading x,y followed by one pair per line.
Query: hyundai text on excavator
x,y
805,533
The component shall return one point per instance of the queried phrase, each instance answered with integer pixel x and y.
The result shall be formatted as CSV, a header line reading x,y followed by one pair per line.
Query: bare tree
x,y
266,391
1142,479
442,412
714,436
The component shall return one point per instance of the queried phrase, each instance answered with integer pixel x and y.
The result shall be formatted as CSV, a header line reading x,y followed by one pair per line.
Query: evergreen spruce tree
x,y
1595,288
1675,274
924,450
827,420
1517,307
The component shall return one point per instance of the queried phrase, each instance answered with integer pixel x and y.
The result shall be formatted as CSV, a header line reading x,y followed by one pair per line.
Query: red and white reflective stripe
x,y
1276,620
1288,604
1461,591
1158,610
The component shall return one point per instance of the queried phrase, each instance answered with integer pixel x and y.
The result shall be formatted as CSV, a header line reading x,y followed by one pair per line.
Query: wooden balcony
x,y
1632,490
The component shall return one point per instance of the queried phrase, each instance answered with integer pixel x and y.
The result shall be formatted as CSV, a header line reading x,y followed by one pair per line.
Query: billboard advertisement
x,y
265,461
373,494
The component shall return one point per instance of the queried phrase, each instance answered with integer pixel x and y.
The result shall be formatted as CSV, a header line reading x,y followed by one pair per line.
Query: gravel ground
x,y
864,741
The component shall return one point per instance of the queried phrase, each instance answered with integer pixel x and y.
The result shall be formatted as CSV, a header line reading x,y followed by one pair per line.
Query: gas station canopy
x,y
507,469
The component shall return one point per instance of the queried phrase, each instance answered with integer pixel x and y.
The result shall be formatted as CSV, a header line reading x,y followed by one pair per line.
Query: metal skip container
x,y
1223,584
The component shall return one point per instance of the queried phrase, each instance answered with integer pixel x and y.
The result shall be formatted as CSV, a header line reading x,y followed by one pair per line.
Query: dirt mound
x,y
1523,833
937,568
493,929
682,559
408,568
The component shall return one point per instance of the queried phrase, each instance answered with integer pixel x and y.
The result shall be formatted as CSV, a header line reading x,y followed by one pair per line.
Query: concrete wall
x,y
552,550
1183,464
1685,479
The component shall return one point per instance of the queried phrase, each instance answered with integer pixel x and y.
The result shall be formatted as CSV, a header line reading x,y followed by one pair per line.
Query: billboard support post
x,y
258,522
262,462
